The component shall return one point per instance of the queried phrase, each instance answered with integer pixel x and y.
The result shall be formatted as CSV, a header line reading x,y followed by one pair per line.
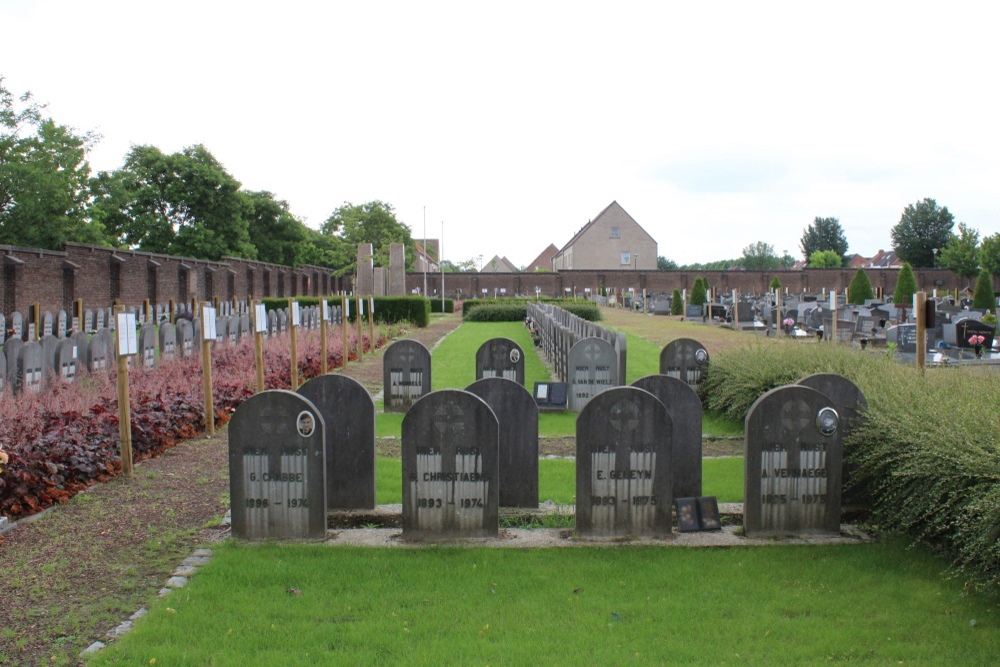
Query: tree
x,y
989,254
759,256
699,292
664,264
906,287
280,237
184,203
923,227
787,261
824,234
825,259
43,178
373,222
961,253
860,289
322,249
775,283
983,297
676,302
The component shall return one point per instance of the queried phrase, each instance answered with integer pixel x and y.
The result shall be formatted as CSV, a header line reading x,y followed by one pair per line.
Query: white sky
x,y
714,125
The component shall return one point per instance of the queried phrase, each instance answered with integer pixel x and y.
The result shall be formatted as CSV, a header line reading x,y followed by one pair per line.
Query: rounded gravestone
x,y
685,359
684,408
406,374
592,367
500,357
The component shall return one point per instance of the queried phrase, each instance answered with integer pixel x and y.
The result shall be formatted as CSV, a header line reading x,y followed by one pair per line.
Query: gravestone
x,y
967,327
82,342
517,415
693,312
450,451
3,372
147,345
847,398
685,359
67,356
684,408
168,341
12,351
17,326
277,448
185,338
349,414
282,320
232,328
593,368
272,323
50,348
30,368
3,329
99,351
48,324
246,328
88,321
500,357
661,305
406,374
61,324
221,333
904,336
624,483
794,452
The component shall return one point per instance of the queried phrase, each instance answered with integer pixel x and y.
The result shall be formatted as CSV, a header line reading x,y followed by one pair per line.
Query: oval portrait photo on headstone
x,y
515,355
306,424
827,421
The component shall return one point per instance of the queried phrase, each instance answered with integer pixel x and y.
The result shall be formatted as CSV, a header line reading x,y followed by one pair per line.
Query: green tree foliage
x,y
906,286
373,222
860,288
664,264
923,227
676,302
825,259
280,237
823,234
787,261
179,204
775,283
961,254
43,178
468,265
718,265
699,292
989,254
322,249
759,256
984,297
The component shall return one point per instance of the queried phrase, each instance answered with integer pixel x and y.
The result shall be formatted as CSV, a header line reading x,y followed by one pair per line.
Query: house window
x,y
626,258
616,233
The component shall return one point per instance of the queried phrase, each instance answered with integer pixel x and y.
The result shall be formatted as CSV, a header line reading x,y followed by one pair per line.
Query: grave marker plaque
x,y
48,324
88,321
694,312
12,351
147,345
30,368
406,374
99,351
684,408
349,414
276,467
50,356
624,482
61,325
67,357
500,357
185,336
517,415
794,450
685,359
17,326
966,328
168,340
450,467
593,368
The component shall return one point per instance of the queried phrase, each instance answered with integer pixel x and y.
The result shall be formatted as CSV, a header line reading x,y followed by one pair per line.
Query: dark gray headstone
x,y
246,329
500,357
406,374
277,449
185,338
846,397
168,340
593,368
12,351
517,414
61,327
3,329
82,341
30,368
794,452
88,321
3,371
450,467
221,329
624,477
684,408
904,336
67,359
685,359
349,413
99,351
232,328
102,320
694,312
147,345
272,323
48,324
966,328
50,357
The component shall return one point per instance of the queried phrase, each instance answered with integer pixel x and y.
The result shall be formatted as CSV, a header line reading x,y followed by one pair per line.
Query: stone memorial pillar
x,y
366,278
397,269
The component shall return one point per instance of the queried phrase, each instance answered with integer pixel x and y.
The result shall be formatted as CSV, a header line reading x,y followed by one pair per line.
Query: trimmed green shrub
x,y
775,283
449,305
860,288
906,286
512,310
983,297
699,292
388,309
676,303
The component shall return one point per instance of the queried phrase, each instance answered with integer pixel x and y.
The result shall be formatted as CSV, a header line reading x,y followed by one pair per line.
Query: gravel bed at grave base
x,y
565,446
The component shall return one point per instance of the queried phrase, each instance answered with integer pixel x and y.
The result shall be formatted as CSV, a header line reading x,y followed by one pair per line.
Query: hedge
x,y
388,309
514,310
926,453
449,305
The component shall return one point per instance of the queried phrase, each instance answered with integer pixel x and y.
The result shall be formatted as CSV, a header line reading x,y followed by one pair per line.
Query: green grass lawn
x,y
288,604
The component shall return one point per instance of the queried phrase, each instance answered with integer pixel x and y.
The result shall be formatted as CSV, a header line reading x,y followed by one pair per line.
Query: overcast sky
x,y
715,125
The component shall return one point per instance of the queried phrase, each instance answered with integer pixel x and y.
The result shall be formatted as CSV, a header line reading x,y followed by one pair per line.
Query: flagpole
x,y
441,263
424,247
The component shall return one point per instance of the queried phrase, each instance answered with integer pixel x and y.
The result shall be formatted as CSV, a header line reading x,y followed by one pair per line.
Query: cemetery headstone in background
x,y
517,414
450,451
500,357
12,351
624,480
99,351
794,451
147,345
50,352
349,413
685,359
185,338
30,368
406,374
277,447
684,408
168,340
67,357
61,324
593,368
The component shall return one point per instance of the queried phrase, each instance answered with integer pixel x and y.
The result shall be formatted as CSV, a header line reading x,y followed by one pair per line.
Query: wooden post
x,y
833,320
172,315
293,344
147,309
345,304
371,320
920,312
324,308
258,344
736,312
361,342
206,371
36,317
124,408
778,325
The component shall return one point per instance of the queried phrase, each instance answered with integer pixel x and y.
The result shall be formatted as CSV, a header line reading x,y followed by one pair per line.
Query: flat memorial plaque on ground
x,y
500,357
794,450
450,450
517,413
406,374
684,408
685,359
276,467
624,482
349,414
593,368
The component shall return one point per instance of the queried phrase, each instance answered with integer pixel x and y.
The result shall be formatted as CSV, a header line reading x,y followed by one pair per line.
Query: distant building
x,y
544,261
426,259
499,265
612,240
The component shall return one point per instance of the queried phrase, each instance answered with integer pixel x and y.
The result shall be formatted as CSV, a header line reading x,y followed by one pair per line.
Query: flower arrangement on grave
x,y
976,341
788,323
